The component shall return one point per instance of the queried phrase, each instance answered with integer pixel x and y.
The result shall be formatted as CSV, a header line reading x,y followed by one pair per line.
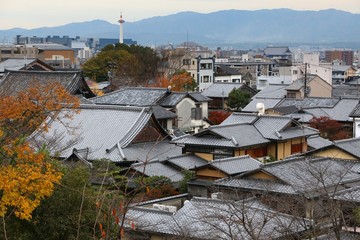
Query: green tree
x,y
238,99
123,65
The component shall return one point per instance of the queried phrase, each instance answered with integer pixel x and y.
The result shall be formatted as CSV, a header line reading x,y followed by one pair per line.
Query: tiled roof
x,y
157,168
202,218
272,91
261,129
316,142
256,184
236,165
351,146
285,110
15,81
298,84
160,150
277,50
351,194
240,134
199,97
236,118
105,130
345,91
270,126
162,113
132,96
268,103
172,99
153,220
310,175
187,161
343,236
219,90
299,175
15,64
211,219
355,112
309,102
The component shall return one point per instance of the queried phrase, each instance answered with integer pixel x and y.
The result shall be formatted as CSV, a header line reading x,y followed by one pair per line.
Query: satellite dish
x,y
261,108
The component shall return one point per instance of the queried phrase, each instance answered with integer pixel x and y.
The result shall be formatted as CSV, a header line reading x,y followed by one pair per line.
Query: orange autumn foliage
x,y
178,82
27,175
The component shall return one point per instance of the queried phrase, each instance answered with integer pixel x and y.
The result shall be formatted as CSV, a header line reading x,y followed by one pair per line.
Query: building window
x,y
186,61
257,152
206,79
196,113
296,148
295,71
206,65
291,95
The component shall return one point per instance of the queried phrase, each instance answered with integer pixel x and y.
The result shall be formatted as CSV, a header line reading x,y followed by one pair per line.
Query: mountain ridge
x,y
225,26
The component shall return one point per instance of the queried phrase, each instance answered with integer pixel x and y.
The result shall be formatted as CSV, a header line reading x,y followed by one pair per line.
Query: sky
x,y
44,13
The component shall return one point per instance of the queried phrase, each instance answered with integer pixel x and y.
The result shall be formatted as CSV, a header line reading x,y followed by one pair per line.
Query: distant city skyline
x,y
41,13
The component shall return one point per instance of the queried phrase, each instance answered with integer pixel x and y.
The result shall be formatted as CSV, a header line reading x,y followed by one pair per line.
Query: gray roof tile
x,y
16,81
132,96
351,146
316,142
187,161
105,130
309,102
157,168
238,118
219,90
236,165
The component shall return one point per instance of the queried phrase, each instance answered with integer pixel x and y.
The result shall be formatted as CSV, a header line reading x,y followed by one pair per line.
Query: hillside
x,y
222,27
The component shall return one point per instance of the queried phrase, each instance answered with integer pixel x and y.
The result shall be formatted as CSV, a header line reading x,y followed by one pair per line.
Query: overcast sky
x,y
38,13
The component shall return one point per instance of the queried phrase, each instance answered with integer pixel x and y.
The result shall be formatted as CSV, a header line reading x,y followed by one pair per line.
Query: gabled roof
x,y
351,146
272,91
299,84
334,108
24,64
159,150
132,96
219,90
162,113
187,161
16,81
140,96
250,131
276,50
238,118
313,102
356,112
311,175
173,98
268,103
316,142
104,130
236,165
203,218
157,168
351,194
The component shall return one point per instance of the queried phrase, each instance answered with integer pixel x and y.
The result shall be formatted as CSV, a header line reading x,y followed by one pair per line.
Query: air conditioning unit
x,y
165,208
217,195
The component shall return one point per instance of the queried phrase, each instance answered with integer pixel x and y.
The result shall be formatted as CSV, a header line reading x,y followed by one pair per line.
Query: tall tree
x,y
123,65
28,175
238,99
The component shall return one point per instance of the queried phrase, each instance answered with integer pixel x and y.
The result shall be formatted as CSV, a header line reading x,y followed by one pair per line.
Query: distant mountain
x,y
229,27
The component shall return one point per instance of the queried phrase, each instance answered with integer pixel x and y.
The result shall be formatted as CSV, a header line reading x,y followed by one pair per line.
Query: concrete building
x,y
346,56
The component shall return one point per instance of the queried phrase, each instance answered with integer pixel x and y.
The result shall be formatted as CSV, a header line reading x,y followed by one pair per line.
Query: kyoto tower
x,y
121,21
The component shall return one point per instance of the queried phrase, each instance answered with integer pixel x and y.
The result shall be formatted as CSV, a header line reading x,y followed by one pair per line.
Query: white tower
x,y
121,21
